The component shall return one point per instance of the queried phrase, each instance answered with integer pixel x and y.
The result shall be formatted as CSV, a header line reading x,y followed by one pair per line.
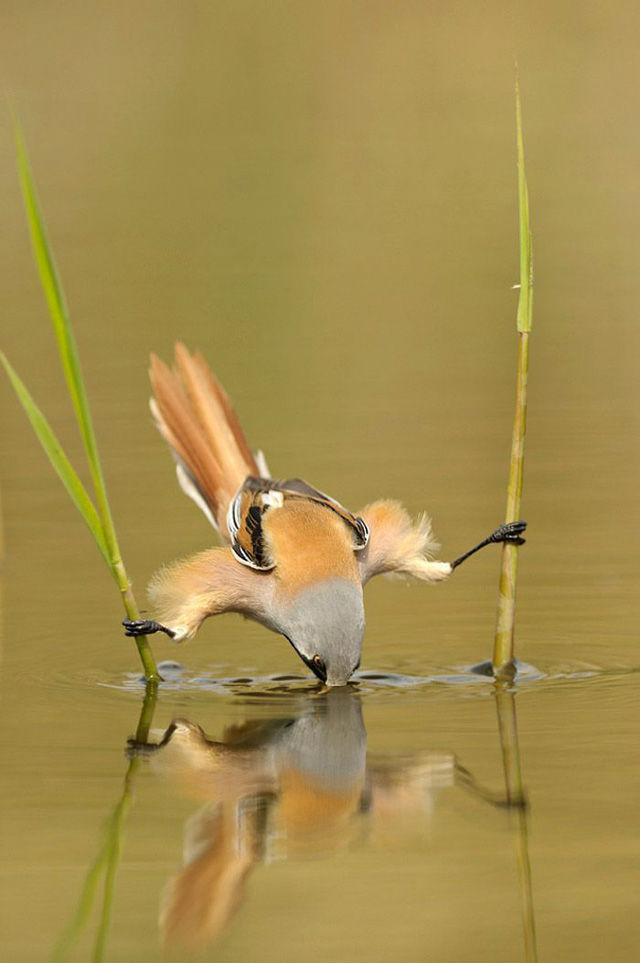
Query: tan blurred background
x,y
321,197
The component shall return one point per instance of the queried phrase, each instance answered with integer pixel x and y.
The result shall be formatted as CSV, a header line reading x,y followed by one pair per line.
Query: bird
x,y
294,559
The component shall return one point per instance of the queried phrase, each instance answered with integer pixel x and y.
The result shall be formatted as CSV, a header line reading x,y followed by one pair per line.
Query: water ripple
x,y
470,679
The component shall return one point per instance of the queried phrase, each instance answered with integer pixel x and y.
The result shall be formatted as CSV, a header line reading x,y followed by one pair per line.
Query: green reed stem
x,y
56,302
503,649
59,461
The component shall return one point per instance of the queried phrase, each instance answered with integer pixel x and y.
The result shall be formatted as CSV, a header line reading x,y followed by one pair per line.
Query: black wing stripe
x,y
247,508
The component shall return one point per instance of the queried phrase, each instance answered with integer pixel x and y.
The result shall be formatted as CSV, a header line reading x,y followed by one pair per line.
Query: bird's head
x,y
325,625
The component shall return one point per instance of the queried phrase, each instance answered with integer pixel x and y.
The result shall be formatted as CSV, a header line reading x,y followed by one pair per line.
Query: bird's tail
x,y
194,416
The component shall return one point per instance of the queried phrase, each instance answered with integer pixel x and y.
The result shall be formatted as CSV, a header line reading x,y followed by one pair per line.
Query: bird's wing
x,y
259,495
397,544
187,592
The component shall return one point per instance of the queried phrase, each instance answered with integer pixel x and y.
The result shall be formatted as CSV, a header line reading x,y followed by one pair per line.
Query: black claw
x,y
519,526
133,628
138,627
509,532
144,627
135,748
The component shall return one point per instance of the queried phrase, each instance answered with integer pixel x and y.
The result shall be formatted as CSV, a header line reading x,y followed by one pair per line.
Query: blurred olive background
x,y
322,198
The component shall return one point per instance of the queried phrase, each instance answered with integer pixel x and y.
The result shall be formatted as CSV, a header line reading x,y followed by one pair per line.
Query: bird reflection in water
x,y
278,789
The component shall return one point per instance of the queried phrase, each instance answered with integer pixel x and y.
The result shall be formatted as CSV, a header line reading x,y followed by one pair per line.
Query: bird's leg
x,y
509,532
136,748
142,749
145,627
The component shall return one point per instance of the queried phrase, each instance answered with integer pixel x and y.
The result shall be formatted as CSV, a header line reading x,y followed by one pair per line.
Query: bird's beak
x,y
319,673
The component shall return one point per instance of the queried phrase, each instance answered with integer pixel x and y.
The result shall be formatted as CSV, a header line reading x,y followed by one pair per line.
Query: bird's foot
x,y
509,532
137,749
144,627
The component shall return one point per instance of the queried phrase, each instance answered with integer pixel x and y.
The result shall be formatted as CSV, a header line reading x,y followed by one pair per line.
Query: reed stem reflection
x,y
108,857
519,810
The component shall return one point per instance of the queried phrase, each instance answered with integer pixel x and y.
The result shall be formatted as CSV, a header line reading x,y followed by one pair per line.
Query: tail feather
x,y
205,397
227,408
180,428
195,417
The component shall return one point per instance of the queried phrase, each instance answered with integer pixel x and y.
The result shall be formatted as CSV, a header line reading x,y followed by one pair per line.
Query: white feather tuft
x,y
188,487
261,462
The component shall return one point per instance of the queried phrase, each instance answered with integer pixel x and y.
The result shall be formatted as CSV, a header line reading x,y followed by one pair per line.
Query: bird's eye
x,y
317,661
319,667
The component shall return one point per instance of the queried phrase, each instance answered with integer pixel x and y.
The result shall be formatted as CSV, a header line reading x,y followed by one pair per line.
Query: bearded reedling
x,y
295,559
